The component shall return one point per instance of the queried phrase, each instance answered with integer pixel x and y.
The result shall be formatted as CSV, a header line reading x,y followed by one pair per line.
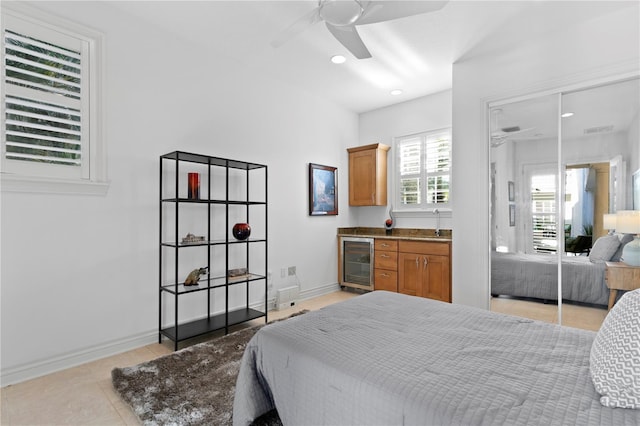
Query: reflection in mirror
x,y
524,210
599,143
533,226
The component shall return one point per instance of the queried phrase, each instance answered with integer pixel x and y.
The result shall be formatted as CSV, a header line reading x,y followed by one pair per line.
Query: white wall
x,y
426,113
79,273
633,140
598,49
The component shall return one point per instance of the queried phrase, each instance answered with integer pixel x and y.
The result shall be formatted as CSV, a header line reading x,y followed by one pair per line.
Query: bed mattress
x,y
387,358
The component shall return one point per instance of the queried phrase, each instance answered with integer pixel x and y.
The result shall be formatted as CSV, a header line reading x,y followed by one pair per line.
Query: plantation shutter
x,y
410,160
438,165
44,104
423,170
543,212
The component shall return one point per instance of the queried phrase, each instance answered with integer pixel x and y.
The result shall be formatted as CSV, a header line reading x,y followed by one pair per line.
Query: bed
x,y
536,275
390,359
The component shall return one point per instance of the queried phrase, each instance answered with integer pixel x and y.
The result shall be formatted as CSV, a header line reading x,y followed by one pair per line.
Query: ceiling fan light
x,y
340,13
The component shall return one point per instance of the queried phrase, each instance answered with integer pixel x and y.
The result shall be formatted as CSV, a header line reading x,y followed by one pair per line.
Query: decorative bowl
x,y
241,231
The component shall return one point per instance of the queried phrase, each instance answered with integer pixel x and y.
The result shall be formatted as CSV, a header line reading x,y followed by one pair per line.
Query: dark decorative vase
x,y
241,231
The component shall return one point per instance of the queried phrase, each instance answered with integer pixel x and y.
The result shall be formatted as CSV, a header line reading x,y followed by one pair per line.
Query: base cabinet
x,y
386,265
416,268
424,269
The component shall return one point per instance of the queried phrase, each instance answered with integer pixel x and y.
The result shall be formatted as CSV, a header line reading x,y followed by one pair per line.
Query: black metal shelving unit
x,y
170,250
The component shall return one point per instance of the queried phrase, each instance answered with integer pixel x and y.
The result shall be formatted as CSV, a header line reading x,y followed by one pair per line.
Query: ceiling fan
x,y
342,16
505,133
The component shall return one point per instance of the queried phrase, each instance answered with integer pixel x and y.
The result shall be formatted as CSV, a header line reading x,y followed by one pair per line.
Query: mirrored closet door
x,y
558,164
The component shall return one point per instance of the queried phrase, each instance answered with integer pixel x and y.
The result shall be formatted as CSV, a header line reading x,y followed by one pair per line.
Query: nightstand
x,y
620,276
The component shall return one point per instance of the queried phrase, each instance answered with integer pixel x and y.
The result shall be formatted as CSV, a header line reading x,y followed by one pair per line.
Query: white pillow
x,y
615,355
624,239
604,248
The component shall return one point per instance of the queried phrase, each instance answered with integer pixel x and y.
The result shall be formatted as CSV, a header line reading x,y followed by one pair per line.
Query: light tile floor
x,y
576,316
84,395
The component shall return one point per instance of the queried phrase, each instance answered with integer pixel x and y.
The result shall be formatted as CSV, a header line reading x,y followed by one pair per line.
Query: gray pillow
x,y
624,239
614,363
604,248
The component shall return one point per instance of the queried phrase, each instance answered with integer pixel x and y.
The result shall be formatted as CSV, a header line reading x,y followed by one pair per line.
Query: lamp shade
x,y
609,221
628,222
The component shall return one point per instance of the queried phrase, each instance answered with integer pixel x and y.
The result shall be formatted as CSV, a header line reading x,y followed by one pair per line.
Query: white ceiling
x,y
414,54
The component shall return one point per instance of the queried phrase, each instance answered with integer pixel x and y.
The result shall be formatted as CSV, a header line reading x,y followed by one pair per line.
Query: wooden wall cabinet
x,y
368,175
424,269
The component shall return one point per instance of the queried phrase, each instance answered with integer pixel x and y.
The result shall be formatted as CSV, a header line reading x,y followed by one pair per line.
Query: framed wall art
x,y
323,190
512,215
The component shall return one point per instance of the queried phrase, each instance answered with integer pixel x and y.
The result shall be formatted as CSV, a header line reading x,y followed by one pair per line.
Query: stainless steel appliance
x,y
356,267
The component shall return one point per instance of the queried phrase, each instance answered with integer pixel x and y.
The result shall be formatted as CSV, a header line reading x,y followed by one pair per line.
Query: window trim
x,y
97,182
434,210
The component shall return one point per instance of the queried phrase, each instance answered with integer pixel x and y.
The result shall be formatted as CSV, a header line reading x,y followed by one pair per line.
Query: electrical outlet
x,y
292,270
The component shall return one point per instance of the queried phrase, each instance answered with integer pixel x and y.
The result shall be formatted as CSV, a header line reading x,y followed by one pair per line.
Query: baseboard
x,y
39,368
319,291
43,367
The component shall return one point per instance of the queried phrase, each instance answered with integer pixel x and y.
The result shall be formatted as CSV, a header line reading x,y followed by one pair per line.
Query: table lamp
x,y
628,222
609,222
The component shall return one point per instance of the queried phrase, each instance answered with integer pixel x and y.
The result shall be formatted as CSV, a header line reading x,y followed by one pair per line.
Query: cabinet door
x,y
435,279
362,178
409,273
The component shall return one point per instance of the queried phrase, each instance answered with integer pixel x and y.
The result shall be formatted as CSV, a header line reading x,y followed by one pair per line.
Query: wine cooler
x,y
356,267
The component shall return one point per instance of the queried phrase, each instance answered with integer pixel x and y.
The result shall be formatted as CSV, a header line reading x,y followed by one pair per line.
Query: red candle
x,y
194,186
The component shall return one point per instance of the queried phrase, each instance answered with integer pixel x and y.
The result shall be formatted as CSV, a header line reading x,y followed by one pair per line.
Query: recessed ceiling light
x,y
396,92
566,114
338,59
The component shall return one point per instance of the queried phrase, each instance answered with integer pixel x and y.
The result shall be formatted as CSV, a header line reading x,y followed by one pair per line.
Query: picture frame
x,y
323,190
635,182
512,191
512,215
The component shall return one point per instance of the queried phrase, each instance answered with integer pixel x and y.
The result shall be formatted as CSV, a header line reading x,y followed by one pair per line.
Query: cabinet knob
x,y
385,245
384,275
426,261
417,264
384,255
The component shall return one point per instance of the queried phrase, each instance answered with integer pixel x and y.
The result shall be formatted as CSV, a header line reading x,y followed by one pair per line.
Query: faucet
x,y
437,213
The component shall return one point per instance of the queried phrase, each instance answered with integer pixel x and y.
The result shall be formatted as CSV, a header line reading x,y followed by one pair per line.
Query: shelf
x,y
210,289
214,242
205,201
217,322
215,282
214,161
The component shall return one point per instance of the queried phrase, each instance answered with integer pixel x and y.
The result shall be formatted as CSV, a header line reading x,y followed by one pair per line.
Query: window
x,y
50,107
543,213
422,171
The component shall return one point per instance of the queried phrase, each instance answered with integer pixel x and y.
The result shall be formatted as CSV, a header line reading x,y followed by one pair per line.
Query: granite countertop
x,y
397,233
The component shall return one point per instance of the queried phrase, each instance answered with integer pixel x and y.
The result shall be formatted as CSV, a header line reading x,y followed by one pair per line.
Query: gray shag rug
x,y
193,386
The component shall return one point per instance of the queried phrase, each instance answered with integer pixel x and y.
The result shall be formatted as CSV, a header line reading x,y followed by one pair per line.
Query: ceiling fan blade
x,y
349,38
298,26
387,10
505,135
